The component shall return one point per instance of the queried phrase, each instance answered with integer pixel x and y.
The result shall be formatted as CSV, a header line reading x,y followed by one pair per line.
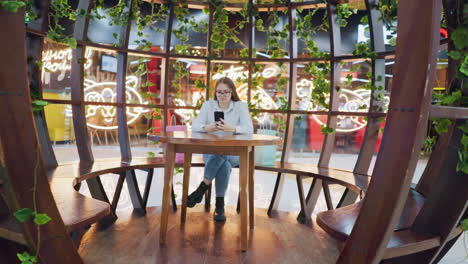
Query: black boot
x,y
197,195
219,211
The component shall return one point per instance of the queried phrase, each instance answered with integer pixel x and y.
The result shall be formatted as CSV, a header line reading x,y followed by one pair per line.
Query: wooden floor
x,y
135,239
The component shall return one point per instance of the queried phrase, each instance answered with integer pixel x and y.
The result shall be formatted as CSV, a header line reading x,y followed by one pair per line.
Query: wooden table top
x,y
215,139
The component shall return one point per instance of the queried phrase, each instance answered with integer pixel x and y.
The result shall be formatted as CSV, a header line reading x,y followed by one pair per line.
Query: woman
x,y
236,120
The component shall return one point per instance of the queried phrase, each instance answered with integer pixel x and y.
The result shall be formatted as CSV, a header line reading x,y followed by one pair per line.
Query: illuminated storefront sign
x,y
103,116
59,61
349,101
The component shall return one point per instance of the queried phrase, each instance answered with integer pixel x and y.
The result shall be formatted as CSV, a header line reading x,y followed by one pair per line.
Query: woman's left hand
x,y
225,126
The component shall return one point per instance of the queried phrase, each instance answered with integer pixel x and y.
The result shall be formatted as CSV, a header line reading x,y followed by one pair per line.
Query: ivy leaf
x,y
464,141
72,43
25,257
12,6
464,66
41,219
464,128
459,37
40,103
23,214
464,224
326,130
454,54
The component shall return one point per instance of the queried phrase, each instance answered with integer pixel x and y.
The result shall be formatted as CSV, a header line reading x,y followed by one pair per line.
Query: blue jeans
x,y
219,167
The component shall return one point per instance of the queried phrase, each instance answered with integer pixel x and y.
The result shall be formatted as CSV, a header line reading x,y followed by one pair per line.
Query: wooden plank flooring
x,y
135,239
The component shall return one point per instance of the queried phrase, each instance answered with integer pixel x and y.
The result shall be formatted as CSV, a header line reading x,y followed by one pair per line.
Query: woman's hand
x,y
211,127
225,126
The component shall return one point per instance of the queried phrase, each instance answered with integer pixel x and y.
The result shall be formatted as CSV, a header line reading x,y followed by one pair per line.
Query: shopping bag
x,y
265,155
179,157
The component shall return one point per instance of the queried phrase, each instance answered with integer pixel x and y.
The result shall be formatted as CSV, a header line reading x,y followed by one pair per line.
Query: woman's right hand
x,y
211,127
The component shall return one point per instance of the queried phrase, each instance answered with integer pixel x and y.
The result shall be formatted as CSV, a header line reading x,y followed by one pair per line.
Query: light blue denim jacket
x,y
236,115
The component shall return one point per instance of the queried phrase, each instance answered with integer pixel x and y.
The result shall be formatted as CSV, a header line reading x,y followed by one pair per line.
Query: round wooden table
x,y
222,143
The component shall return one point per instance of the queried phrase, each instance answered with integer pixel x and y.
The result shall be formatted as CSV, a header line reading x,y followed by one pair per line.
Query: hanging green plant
x,y
343,12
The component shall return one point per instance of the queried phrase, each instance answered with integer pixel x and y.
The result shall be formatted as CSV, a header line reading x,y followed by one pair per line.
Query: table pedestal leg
x,y
185,185
251,187
243,183
168,173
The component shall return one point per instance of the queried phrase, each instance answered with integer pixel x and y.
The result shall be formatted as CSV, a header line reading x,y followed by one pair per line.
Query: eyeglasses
x,y
223,92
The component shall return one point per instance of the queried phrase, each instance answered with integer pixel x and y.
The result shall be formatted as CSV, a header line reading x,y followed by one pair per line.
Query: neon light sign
x,y
103,92
60,61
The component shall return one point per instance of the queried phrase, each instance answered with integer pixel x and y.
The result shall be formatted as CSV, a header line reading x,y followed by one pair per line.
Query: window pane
x,y
56,71
313,35
189,32
149,35
307,139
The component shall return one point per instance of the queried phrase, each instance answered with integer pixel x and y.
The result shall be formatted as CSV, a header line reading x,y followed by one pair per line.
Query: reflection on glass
x,y
148,32
147,72
307,139
60,123
100,77
270,86
230,37
271,34
56,71
313,32
357,88
103,28
190,31
187,82
273,124
312,86
355,28
348,140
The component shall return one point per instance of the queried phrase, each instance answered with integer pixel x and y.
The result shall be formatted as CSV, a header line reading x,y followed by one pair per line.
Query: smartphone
x,y
218,115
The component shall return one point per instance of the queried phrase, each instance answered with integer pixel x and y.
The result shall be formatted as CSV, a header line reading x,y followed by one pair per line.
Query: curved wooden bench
x,y
91,172
353,182
404,241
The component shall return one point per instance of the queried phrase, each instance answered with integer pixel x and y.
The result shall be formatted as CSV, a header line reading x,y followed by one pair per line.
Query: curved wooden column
x,y
77,90
77,94
288,135
35,46
122,59
335,44
373,123
21,148
378,69
417,47
289,132
167,63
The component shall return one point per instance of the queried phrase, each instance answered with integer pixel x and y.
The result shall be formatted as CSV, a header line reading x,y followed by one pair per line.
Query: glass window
x,y
313,35
230,37
271,34
270,86
307,139
312,86
148,31
56,71
189,32
349,136
62,135
105,25
101,76
187,80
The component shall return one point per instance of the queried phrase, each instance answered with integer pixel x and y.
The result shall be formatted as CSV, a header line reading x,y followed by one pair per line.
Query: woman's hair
x,y
230,84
